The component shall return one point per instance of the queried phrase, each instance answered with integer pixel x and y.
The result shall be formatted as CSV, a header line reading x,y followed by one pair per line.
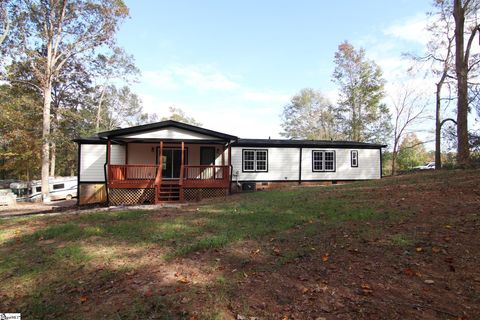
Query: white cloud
x,y
413,29
197,77
203,77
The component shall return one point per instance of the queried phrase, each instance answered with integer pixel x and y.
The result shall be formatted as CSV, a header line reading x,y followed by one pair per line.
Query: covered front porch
x,y
169,168
170,162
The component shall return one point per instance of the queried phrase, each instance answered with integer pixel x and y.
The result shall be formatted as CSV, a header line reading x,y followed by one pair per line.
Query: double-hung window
x,y
354,158
255,160
323,160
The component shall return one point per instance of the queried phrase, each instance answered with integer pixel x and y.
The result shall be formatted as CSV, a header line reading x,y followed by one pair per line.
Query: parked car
x,y
426,166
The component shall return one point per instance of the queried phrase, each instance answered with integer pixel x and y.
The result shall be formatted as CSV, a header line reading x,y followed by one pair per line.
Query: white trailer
x,y
59,188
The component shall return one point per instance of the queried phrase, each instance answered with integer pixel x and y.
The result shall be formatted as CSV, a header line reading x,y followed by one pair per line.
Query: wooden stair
x,y
170,192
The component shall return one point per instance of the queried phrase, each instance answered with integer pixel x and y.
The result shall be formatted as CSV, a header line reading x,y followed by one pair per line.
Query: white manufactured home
x,y
171,161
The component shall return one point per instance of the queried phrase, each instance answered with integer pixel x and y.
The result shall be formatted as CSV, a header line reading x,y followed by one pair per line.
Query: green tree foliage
x,y
49,35
310,115
123,108
411,152
364,116
19,118
179,115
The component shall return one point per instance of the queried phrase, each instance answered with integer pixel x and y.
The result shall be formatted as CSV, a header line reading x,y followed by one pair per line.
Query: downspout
x,y
105,170
78,172
300,167
381,162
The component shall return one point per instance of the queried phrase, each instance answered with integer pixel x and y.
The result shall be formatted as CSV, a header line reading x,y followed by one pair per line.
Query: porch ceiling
x,y
173,141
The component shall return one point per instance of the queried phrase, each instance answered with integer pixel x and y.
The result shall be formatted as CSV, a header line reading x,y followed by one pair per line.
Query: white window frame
x,y
354,158
323,161
255,160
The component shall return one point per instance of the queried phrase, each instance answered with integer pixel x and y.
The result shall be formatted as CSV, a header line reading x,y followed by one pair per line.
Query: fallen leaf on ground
x,y
325,257
435,250
409,272
366,289
183,280
83,299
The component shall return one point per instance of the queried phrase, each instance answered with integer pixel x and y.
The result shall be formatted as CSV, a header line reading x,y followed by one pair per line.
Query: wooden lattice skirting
x,y
199,194
131,196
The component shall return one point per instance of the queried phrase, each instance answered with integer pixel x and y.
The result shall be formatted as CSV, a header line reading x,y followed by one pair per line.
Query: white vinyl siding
x,y
283,165
368,167
92,160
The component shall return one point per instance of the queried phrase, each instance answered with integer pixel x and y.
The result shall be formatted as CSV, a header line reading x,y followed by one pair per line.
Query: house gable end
x,y
169,133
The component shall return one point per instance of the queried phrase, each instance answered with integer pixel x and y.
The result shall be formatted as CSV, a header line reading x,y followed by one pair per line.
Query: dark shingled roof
x,y
101,138
286,143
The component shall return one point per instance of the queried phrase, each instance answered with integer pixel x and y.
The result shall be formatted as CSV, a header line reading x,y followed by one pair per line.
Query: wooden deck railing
x,y
143,176
132,175
206,176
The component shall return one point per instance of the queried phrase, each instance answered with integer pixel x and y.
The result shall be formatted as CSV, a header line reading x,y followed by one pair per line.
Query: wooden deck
x,y
133,176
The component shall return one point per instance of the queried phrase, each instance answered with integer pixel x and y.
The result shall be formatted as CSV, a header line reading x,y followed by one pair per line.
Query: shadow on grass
x,y
58,248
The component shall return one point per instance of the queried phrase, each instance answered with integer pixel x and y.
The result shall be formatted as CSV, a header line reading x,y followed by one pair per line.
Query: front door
x,y
171,163
207,156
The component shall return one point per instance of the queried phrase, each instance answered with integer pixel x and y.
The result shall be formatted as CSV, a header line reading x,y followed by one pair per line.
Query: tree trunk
x,y
53,158
99,109
461,69
438,128
47,100
394,162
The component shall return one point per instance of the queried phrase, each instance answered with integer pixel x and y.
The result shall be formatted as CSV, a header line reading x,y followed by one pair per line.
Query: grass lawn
x,y
397,248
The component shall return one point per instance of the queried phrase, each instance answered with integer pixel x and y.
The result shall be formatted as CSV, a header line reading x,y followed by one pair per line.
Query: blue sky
x,y
234,65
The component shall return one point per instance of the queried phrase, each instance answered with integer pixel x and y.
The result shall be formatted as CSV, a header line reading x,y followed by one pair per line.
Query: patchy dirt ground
x,y
26,208
400,248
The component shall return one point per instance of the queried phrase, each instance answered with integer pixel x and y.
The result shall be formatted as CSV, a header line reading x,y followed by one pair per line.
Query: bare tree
x,y
409,108
108,67
440,49
49,33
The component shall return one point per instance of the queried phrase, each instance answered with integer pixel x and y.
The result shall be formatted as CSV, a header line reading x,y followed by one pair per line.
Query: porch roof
x,y
159,131
131,132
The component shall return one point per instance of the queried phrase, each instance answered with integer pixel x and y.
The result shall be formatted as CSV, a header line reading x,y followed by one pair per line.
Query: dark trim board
x,y
292,181
381,162
79,153
285,143
300,167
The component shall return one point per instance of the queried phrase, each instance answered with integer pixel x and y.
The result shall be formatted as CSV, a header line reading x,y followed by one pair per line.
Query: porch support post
x,y
109,149
229,168
223,155
126,153
182,171
158,178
